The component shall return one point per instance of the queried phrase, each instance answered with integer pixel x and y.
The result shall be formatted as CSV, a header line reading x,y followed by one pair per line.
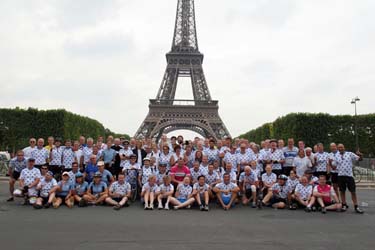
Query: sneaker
x,y
10,199
117,207
206,208
308,209
313,208
201,207
324,210
47,205
146,207
37,206
253,205
175,207
160,206
188,207
151,207
343,208
345,205
82,203
166,207
358,210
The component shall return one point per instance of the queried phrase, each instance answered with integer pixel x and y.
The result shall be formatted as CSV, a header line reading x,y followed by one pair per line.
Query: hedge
x,y
324,128
18,125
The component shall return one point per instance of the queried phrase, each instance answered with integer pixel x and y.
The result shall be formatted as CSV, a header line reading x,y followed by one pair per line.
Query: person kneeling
x,y
302,193
325,196
226,192
148,192
47,188
97,192
119,192
165,192
183,196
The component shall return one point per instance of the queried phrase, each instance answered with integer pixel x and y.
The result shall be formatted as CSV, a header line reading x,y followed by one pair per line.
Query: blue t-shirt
x,y
106,176
65,188
108,155
97,188
90,171
81,188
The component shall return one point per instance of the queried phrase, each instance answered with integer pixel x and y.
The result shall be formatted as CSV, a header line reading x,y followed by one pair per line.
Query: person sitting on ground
x,y
119,193
64,192
248,186
325,196
47,188
303,192
226,192
148,192
183,196
292,181
200,193
279,195
165,192
80,189
97,191
313,180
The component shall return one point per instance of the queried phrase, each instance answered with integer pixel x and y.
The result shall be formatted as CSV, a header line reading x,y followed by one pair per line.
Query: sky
x,y
263,58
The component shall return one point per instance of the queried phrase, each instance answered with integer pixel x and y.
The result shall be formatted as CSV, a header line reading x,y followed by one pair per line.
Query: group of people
x,y
173,173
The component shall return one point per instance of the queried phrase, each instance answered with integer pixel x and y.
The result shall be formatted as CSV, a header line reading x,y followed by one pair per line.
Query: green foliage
x,y
324,128
22,124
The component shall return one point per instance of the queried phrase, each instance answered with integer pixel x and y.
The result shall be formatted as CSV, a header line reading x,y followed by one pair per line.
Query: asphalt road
x,y
133,228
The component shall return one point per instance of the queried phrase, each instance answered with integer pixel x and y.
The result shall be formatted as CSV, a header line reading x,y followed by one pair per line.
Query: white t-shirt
x,y
301,165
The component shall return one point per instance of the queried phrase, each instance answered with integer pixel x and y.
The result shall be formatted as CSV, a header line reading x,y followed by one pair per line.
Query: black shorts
x,y
16,175
334,178
63,197
44,200
248,193
346,182
286,170
276,199
117,199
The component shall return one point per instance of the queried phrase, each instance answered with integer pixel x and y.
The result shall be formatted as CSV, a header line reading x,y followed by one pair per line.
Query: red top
x,y
180,173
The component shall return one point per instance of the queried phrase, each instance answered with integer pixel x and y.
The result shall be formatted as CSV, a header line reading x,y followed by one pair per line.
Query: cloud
x,y
263,58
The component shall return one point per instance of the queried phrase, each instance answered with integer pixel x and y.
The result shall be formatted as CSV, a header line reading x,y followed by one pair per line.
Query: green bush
x,y
324,128
22,124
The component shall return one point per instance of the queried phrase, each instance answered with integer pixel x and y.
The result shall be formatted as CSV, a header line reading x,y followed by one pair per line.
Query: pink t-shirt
x,y
180,173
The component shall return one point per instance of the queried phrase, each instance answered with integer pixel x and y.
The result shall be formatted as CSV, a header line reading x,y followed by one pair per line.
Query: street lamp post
x,y
354,101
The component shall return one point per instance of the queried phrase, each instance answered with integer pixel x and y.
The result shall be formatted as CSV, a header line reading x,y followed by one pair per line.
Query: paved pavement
x,y
132,228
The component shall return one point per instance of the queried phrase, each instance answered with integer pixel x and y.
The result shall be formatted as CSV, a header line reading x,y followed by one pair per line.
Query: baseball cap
x,y
65,173
79,174
97,174
49,173
146,159
100,163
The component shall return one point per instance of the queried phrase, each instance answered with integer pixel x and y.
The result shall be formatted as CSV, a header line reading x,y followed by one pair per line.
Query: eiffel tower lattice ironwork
x,y
167,114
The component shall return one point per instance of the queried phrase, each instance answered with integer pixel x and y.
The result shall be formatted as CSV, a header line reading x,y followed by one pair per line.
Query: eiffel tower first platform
x,y
167,114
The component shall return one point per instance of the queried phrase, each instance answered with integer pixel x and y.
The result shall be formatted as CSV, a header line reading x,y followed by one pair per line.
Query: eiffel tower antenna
x,y
167,114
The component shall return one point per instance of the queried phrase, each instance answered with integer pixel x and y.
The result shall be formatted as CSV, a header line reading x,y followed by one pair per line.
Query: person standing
x,y
40,154
344,161
290,152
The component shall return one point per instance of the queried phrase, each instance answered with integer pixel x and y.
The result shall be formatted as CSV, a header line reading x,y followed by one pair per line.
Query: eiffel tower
x,y
167,114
